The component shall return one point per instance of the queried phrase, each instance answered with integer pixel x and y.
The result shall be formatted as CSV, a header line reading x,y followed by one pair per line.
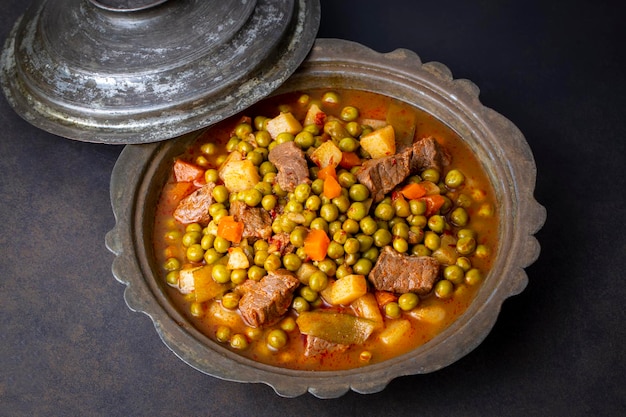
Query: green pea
x,y
299,304
482,251
463,200
444,289
357,211
291,262
329,212
454,178
304,140
431,175
221,245
432,240
349,113
463,233
420,250
402,207
362,266
172,278
359,192
193,227
342,202
285,137
232,144
302,192
259,257
348,144
268,202
207,241
318,281
171,264
393,310
294,206
343,270
230,300
473,276
252,197
317,186
400,244
220,273
209,148
223,334
267,167
351,245
354,129
330,97
272,263
400,230
454,274
220,193
346,179
319,224
277,339
459,217
365,242
196,309
255,157
211,256
238,276
195,253
297,236
243,130
418,221
255,273
368,225
335,250
191,238
239,342
262,138
219,214
436,223
371,254
408,301
340,236
264,188
466,245
350,226
384,211
464,263
382,238
308,294
327,266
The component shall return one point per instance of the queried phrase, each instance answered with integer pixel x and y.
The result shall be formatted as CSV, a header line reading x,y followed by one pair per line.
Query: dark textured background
x,y
557,69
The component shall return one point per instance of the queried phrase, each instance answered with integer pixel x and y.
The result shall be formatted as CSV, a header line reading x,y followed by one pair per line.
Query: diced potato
x,y
347,289
327,154
205,287
380,143
237,259
432,314
238,174
446,254
314,116
186,280
223,316
366,306
335,327
394,332
284,122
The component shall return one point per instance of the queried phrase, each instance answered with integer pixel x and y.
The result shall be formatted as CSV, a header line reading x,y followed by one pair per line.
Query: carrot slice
x,y
433,203
316,244
349,160
327,171
176,191
186,171
384,297
332,188
230,229
413,191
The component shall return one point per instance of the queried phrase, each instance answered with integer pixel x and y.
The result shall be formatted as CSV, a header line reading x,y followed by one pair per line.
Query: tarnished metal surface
x,y
497,143
78,70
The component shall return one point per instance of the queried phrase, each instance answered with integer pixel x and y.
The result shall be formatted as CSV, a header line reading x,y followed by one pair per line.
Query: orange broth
x,y
477,194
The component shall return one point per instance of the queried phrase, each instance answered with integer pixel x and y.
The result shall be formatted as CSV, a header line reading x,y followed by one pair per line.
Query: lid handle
x,y
126,5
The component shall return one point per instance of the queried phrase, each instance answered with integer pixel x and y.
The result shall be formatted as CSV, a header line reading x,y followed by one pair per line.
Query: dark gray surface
x,y
70,346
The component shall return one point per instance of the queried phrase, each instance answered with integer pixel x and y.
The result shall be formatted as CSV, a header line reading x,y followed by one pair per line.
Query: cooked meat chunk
x,y
400,273
195,207
280,242
264,302
291,164
426,154
381,175
317,346
256,221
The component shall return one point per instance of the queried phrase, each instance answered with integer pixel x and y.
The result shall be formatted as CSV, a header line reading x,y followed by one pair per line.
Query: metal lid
x,y
139,71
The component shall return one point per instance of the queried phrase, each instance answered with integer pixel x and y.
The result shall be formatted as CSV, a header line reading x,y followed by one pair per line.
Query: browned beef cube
x,y
264,302
381,175
256,220
401,273
195,207
427,154
316,346
291,165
